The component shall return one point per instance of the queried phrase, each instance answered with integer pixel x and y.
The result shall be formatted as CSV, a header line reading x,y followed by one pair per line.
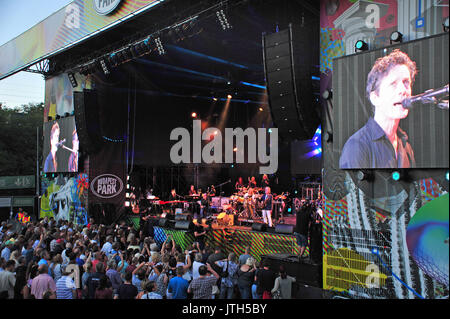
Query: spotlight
x,y
327,95
223,20
72,79
363,175
214,99
229,96
127,204
235,149
159,46
396,37
261,109
104,67
396,176
446,176
445,24
194,115
360,45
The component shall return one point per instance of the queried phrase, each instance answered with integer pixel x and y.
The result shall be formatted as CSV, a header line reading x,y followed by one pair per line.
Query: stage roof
x,y
77,22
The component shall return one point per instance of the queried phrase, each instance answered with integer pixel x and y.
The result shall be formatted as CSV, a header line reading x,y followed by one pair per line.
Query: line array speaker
x,y
288,68
87,120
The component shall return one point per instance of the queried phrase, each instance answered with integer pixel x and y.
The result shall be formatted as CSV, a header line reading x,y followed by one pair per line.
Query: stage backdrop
x,y
369,225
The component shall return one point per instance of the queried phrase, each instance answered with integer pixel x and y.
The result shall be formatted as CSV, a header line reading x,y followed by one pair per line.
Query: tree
x,y
18,139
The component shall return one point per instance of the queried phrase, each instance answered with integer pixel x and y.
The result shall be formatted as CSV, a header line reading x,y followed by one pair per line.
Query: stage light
x,y
396,176
127,204
223,20
194,115
396,37
445,24
104,67
446,176
214,99
327,95
363,175
270,130
159,46
72,79
360,45
261,109
229,96
235,149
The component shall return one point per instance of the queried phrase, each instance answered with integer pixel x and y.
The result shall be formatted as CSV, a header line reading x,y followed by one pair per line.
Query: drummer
x,y
239,184
252,182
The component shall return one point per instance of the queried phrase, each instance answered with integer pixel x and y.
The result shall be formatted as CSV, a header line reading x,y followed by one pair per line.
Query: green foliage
x,y
18,139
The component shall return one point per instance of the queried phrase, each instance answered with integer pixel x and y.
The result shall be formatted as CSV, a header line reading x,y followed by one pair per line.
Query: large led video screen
x,y
61,146
390,106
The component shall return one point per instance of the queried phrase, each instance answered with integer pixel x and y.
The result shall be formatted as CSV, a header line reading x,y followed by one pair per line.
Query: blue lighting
x,y
395,176
315,78
270,130
254,85
446,176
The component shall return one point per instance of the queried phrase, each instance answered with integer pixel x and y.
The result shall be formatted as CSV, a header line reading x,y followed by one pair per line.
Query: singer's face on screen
x,y
393,89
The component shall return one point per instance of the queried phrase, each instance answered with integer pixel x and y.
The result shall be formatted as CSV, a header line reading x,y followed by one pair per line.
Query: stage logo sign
x,y
104,7
106,186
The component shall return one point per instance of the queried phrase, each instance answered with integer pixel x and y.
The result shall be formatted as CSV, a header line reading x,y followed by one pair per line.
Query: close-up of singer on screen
x,y
381,143
51,164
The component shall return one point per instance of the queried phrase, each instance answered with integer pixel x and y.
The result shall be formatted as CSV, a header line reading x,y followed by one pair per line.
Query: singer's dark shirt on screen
x,y
369,147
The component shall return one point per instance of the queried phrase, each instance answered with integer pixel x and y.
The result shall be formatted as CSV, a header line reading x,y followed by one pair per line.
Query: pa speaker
x,y
289,66
184,225
87,120
182,217
284,229
259,227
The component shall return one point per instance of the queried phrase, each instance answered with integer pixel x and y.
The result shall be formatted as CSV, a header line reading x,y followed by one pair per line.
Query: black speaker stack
x,y
87,120
289,66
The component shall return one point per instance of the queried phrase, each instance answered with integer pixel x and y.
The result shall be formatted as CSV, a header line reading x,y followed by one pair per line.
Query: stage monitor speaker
x,y
184,225
163,222
259,227
87,120
284,229
289,65
182,217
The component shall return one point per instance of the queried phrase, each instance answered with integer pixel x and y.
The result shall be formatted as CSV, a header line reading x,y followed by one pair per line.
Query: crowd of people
x,y
46,259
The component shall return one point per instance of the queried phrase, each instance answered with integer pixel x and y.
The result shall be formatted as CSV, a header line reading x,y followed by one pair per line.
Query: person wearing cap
x,y
6,252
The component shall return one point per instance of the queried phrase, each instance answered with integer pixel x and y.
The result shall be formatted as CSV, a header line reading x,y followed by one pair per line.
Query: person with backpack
x,y
228,276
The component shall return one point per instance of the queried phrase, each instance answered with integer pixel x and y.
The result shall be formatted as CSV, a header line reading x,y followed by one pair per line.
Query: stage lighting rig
x,y
72,79
223,20
104,67
361,45
396,36
159,46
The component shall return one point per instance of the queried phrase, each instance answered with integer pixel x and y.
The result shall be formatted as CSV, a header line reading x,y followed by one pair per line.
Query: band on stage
x,y
250,202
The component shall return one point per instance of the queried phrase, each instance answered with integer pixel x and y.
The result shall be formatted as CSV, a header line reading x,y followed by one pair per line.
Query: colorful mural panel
x,y
65,198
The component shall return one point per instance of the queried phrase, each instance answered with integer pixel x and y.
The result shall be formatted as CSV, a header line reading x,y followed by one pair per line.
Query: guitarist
x,y
267,206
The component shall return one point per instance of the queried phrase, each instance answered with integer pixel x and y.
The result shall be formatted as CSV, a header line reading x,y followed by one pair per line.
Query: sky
x,y
15,18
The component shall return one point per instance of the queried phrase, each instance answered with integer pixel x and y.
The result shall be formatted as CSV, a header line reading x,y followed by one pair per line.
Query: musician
x,y
239,184
252,182
192,191
174,197
73,159
204,205
265,181
267,207
51,164
212,191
